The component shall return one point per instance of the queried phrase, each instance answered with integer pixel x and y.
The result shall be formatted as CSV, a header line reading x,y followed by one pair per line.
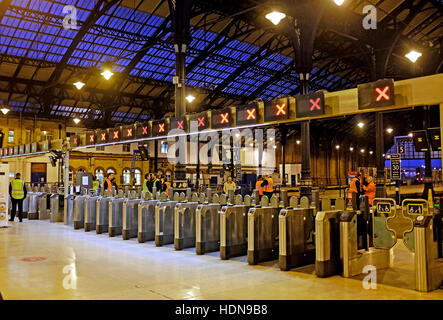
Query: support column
x,y
428,164
441,134
380,183
306,182
283,132
155,156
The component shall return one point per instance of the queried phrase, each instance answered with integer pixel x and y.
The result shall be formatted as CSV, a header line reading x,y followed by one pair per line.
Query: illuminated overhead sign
x,y
128,132
246,115
45,146
102,136
16,150
179,123
21,149
27,148
114,135
5,151
1,152
199,119
34,147
74,141
434,134
91,138
420,140
221,118
310,105
11,151
376,94
277,110
143,130
160,128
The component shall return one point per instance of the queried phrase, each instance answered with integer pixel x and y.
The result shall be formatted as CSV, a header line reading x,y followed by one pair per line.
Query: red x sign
x,y
75,140
251,114
201,122
103,136
145,130
314,104
383,94
281,110
91,138
115,134
129,133
180,124
161,127
224,117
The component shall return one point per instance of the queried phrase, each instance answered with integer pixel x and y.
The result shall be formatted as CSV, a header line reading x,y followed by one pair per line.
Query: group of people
x,y
362,185
265,186
160,182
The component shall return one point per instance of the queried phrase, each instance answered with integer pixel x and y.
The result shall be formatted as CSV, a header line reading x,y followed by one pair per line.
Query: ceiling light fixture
x,y
413,56
4,110
360,125
107,74
339,2
190,98
76,120
79,85
275,17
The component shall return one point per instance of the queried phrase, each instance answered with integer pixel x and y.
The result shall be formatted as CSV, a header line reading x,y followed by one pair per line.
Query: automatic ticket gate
x,y
130,218
115,216
164,222
184,225
79,211
43,205
91,213
233,231
263,232
57,207
207,228
102,218
33,205
146,220
68,218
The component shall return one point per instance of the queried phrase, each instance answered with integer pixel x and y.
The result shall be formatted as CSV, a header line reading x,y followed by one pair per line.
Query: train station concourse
x,y
221,150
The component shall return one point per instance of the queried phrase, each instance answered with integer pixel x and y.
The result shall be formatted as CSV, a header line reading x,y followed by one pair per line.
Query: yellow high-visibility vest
x,y
95,185
145,187
17,189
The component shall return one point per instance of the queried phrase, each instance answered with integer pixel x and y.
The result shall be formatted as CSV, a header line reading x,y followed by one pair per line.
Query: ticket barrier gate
x,y
33,205
164,222
43,205
233,231
263,232
25,206
146,220
207,228
115,216
184,225
91,213
296,238
57,207
79,211
130,218
68,217
102,215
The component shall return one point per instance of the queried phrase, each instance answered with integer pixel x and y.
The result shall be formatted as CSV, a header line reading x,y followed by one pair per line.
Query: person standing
x,y
370,189
258,185
355,186
268,189
109,182
95,184
229,185
17,191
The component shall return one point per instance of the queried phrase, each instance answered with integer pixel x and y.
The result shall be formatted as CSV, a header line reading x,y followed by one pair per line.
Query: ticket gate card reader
x,y
33,205
57,207
115,217
233,231
43,205
68,217
130,218
79,211
146,220
207,228
184,225
102,218
296,238
91,213
164,222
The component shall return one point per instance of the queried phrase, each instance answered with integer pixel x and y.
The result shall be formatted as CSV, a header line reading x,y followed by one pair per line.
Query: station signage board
x,y
143,130
434,134
160,128
5,152
179,123
16,150
28,148
102,136
114,134
21,149
34,147
128,132
384,207
246,115
75,141
1,152
415,208
277,109
401,149
376,94
11,151
310,105
201,119
45,145
395,166
420,140
222,118
91,138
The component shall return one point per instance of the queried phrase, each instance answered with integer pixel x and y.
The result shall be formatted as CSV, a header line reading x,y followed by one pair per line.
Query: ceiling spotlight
x,y
107,74
275,147
337,147
389,130
190,98
275,17
413,55
410,134
237,135
339,2
44,132
384,155
371,152
4,110
298,141
251,144
362,150
76,120
360,125
351,149
79,85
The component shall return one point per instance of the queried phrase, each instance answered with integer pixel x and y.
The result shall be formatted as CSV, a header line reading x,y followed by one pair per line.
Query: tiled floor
x,y
110,268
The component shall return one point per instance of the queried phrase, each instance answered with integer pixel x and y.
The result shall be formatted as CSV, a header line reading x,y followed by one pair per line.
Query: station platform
x,y
34,255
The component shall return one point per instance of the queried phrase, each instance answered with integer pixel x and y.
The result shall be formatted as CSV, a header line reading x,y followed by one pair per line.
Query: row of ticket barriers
x,y
336,238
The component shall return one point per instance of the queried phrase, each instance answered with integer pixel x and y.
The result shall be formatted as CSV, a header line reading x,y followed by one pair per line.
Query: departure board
x,y
277,109
221,118
179,123
143,130
376,94
420,140
434,135
310,105
246,115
